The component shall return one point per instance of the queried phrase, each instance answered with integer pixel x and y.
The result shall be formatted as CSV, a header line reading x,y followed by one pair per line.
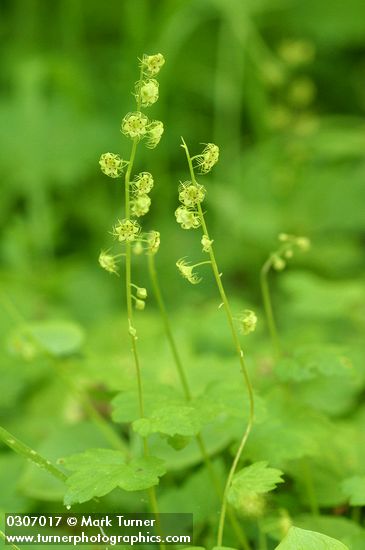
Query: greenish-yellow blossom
x,y
147,91
112,165
248,321
208,158
191,194
278,263
154,134
140,304
134,125
151,64
186,271
108,262
153,241
126,230
188,219
140,205
303,243
141,293
143,183
206,243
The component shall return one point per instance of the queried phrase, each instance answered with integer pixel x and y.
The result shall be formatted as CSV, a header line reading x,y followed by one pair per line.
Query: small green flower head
x,y
126,230
188,219
248,321
107,262
303,243
151,64
208,158
206,243
186,271
154,134
141,293
278,263
111,165
147,91
140,205
140,304
134,125
143,183
153,242
191,194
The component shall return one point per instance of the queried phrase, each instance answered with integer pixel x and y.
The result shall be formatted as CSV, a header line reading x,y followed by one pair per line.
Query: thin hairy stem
x,y
22,449
239,351
268,307
131,329
187,392
3,537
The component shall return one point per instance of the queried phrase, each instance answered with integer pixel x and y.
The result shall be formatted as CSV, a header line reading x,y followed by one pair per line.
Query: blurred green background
x,y
277,84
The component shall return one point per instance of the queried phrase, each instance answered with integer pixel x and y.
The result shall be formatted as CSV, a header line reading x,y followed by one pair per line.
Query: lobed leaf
x,y
252,481
96,472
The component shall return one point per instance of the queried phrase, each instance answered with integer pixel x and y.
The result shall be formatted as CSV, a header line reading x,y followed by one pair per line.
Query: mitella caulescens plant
x,y
190,215
127,231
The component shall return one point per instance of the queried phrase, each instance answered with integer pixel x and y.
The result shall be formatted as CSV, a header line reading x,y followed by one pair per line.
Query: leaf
x,y
354,488
98,471
58,338
300,539
342,528
170,420
252,481
309,363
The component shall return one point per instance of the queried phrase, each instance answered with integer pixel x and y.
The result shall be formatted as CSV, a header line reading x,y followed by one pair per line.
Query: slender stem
x,y
187,392
262,536
309,486
131,329
22,449
243,368
268,306
2,536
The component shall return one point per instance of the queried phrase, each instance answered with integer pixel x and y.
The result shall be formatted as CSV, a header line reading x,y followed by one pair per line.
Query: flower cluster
x,y
286,250
247,321
147,91
141,186
190,195
112,165
208,158
126,230
151,64
186,271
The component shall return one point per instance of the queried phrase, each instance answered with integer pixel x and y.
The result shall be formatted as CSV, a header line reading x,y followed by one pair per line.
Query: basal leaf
x,y
300,539
309,363
97,472
252,481
170,420
354,488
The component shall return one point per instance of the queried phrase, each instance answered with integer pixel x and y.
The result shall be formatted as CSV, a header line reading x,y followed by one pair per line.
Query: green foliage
x,y
354,489
98,471
278,86
299,539
251,481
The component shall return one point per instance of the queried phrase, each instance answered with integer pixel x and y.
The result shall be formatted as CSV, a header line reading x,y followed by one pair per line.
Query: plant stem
x,y
311,493
32,455
131,329
2,536
187,392
237,345
268,307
